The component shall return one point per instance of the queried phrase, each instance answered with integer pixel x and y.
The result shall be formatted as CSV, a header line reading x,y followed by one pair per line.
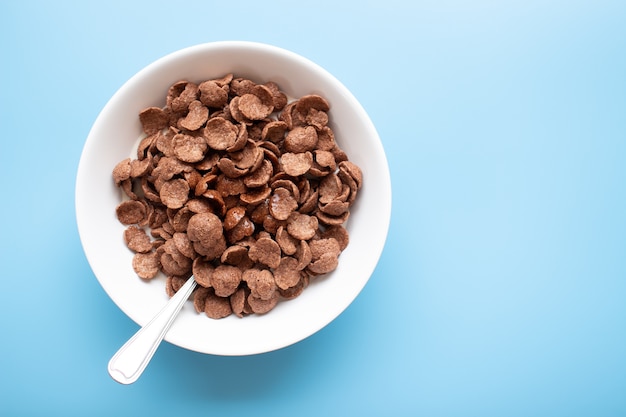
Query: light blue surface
x,y
502,287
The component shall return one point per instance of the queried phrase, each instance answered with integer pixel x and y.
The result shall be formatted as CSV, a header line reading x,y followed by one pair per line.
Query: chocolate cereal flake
x,y
189,148
174,193
131,212
153,119
220,133
137,240
216,307
146,265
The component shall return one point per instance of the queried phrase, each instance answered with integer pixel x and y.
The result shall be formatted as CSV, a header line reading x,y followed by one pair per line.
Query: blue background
x,y
502,287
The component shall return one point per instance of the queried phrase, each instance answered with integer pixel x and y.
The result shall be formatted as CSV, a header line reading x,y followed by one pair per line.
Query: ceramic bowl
x,y
114,136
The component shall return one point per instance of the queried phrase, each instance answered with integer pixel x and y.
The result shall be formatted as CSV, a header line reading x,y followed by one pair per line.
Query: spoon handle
x,y
131,359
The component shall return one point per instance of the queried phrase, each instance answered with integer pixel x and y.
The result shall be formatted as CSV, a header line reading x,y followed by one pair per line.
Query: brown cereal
x,y
172,260
260,212
321,246
131,212
237,301
159,232
353,170
249,158
163,142
339,154
304,255
220,133
137,240
157,217
147,145
212,94
189,148
261,283
199,298
241,141
216,307
202,272
282,204
180,219
140,167
258,104
302,226
205,228
173,284
207,181
271,152
256,196
213,251
149,191
146,265
196,205
127,187
326,139
325,160
296,164
261,305
335,207
329,220
286,275
169,167
235,255
233,217
253,108
122,171
266,251
339,233
348,180
174,193
329,188
240,188
229,186
230,169
236,113
243,229
183,244
181,95
241,86
274,131
312,101
293,292
224,81
279,98
306,187
153,119
193,177
216,202
301,139
261,176
289,185
325,264
168,226
225,280
317,118
346,194
290,116
197,116
286,242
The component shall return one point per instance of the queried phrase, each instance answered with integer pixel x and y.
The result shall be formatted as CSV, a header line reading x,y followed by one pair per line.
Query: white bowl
x,y
113,137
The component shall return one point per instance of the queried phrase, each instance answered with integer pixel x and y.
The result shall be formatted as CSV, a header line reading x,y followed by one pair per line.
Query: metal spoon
x,y
131,359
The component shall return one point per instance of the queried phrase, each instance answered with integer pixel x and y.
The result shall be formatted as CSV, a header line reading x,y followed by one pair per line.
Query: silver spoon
x,y
131,359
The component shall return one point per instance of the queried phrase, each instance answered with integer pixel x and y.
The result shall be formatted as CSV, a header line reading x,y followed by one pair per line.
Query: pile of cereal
x,y
239,187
